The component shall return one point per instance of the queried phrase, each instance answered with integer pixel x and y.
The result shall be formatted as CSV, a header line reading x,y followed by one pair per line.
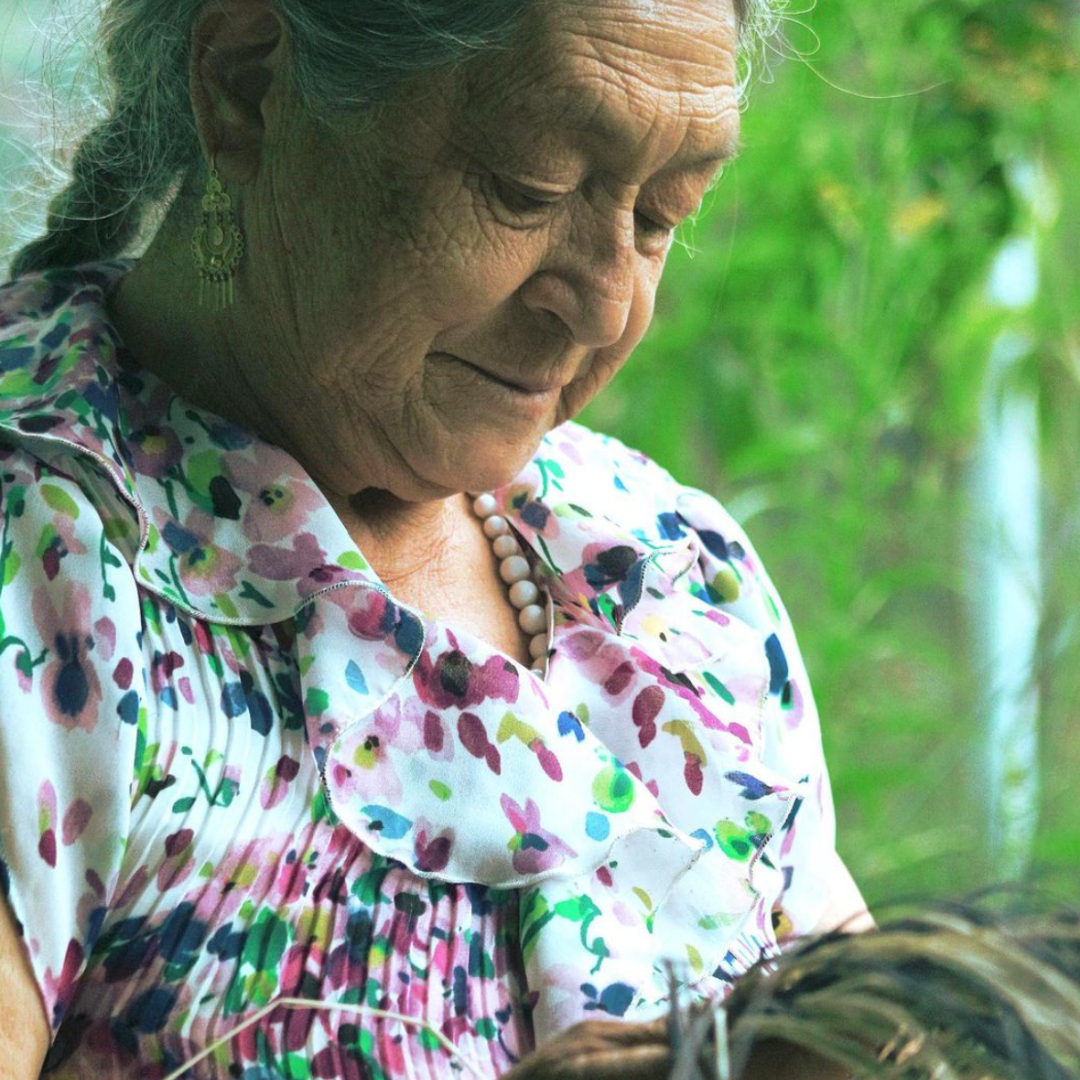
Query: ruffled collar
x,y
231,528
625,795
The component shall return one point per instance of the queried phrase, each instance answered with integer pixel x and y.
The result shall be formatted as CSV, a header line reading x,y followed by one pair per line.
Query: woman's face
x,y
473,270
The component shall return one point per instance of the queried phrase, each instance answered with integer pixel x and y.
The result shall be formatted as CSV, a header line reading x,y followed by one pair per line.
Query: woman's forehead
x,y
641,75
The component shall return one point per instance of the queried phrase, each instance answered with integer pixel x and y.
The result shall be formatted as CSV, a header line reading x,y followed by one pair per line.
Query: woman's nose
x,y
585,288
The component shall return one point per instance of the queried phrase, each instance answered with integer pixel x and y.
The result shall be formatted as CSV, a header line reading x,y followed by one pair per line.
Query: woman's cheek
x,y
644,304
602,368
605,363
476,275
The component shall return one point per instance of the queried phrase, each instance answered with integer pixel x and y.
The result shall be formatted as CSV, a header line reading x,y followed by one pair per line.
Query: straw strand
x,y
356,1010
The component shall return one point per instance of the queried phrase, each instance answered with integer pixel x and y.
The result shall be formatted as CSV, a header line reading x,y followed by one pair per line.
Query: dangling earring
x,y
217,244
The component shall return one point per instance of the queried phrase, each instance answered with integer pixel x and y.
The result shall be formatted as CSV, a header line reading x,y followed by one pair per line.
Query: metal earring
x,y
217,244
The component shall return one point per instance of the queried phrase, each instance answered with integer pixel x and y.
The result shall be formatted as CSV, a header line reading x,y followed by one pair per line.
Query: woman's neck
x,y
192,349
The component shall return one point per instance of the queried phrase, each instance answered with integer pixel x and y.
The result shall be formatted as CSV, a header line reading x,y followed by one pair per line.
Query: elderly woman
x,y
284,712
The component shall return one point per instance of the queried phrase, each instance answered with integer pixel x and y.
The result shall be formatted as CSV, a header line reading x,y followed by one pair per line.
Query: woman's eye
x,y
653,237
520,199
650,226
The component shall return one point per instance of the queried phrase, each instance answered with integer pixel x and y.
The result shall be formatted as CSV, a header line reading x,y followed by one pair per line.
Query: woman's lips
x,y
530,389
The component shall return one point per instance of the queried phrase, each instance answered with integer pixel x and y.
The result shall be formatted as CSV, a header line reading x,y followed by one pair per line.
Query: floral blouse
x,y
233,767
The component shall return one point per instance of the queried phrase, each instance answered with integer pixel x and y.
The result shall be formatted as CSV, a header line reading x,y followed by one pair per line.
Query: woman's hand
x,y
24,1031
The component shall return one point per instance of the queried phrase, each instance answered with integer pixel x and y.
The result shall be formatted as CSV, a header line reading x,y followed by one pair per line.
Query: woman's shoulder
x,y
36,309
59,366
64,483
600,476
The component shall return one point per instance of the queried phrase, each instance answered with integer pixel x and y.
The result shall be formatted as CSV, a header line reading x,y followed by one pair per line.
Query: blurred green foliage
x,y
819,364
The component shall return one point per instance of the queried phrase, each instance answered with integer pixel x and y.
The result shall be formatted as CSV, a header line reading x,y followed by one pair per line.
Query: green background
x,y
818,360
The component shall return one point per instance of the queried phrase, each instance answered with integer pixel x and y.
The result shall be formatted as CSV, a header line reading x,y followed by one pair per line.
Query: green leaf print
x,y
613,789
264,945
295,1067
11,564
535,915
368,886
59,500
583,909
249,592
107,559
724,693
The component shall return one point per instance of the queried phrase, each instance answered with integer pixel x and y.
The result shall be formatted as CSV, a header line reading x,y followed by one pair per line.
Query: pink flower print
x,y
604,565
247,872
154,451
567,449
364,764
685,691
293,968
647,705
287,563
604,661
105,636
474,738
434,733
292,882
76,818
178,863
59,541
60,988
145,401
455,680
391,1055
204,568
512,727
395,721
280,501
424,728
370,752
332,1061
535,850
275,784
204,640
412,999
693,753
619,680
793,705
296,1024
715,616
520,502
47,823
70,688
431,850
400,929
161,669
442,959
370,614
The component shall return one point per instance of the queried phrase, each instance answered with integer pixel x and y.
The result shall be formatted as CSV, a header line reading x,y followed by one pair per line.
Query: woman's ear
x,y
237,74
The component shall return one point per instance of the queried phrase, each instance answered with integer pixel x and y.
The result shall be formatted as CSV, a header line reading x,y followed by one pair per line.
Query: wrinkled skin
x,y
509,218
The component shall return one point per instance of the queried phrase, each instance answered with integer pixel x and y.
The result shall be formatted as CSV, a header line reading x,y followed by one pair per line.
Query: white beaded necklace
x,y
525,594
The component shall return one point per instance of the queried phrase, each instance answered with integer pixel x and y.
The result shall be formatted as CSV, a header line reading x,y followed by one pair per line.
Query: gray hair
x,y
343,54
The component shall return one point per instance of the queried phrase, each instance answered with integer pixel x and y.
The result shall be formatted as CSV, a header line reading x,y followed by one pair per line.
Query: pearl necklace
x,y
514,569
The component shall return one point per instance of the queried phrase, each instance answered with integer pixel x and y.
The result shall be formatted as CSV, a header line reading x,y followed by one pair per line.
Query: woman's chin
x,y
486,465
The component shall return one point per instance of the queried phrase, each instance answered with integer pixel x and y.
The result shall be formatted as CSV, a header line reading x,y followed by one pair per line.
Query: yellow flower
x,y
918,215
